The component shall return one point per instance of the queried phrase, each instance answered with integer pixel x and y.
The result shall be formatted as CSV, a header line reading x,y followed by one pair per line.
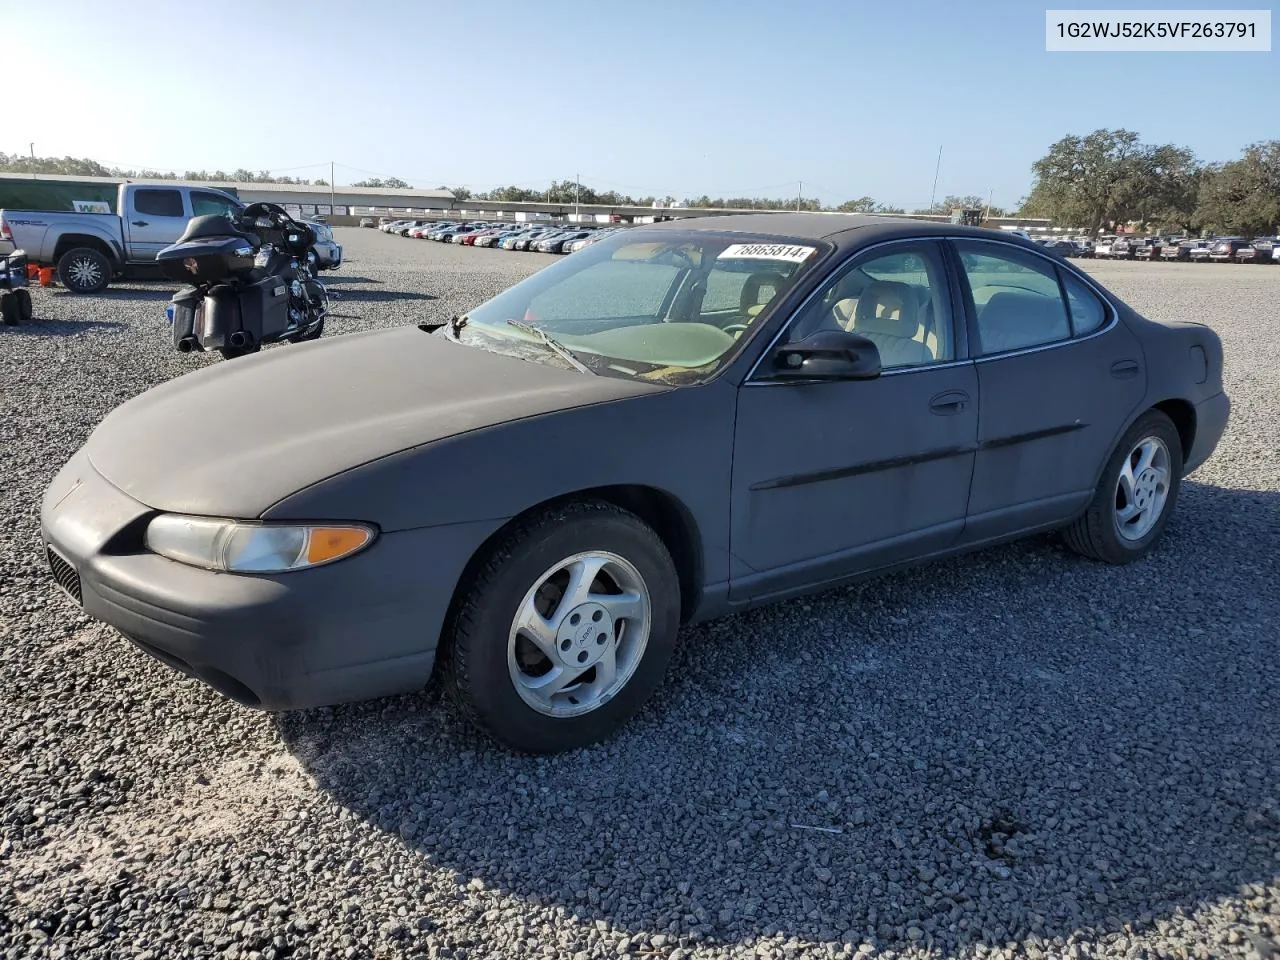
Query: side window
x,y
158,203
1087,312
896,297
1016,297
203,204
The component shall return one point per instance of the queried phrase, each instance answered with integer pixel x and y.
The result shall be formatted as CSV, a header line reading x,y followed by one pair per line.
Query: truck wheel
x,y
8,310
84,270
25,312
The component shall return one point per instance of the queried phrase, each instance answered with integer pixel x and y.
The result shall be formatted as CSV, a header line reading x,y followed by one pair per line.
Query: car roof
x,y
857,228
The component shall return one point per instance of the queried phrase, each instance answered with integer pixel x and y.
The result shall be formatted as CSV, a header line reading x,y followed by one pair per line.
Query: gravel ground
x,y
1019,753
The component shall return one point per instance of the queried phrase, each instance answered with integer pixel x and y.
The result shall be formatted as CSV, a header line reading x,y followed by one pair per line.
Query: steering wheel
x,y
734,329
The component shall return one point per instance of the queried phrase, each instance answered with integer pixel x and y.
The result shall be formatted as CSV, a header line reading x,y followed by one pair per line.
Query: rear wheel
x,y
84,270
1135,496
566,629
231,353
8,309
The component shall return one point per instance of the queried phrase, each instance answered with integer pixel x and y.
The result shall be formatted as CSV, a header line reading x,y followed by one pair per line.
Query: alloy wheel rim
x,y
579,634
84,272
1142,489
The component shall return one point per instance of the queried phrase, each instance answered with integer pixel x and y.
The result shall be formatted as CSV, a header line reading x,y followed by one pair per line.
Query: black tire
x,y
318,294
475,644
84,270
8,309
25,310
1094,534
232,353
313,335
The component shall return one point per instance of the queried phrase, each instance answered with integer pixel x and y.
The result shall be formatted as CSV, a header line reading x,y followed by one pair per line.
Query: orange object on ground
x,y
46,276
33,271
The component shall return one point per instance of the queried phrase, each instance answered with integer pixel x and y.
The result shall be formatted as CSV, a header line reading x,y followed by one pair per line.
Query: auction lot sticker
x,y
766,251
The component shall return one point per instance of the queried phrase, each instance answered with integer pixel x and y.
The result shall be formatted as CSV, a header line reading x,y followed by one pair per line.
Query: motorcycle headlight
x,y
234,546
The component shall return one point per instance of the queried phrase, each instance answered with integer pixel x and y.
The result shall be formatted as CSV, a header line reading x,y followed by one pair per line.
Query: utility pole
x,y
577,189
936,170
32,148
799,194
991,192
332,209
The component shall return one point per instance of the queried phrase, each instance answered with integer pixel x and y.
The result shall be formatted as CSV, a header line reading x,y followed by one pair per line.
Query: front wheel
x,y
84,270
1135,496
566,629
311,334
8,309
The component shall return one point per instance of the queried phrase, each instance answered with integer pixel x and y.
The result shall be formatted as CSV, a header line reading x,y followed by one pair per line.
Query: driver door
x,y
156,217
838,477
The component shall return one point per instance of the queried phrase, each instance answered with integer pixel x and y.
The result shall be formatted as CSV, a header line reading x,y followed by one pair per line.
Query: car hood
x,y
236,437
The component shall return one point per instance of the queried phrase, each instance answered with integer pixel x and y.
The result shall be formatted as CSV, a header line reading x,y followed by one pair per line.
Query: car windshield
x,y
664,305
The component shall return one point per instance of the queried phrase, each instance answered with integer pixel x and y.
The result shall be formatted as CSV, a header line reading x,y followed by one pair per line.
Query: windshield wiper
x,y
554,345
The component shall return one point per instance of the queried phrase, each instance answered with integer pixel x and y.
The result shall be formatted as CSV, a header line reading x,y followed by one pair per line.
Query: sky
x,y
647,97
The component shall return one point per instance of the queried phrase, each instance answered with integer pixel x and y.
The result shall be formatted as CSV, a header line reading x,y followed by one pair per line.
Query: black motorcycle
x,y
250,282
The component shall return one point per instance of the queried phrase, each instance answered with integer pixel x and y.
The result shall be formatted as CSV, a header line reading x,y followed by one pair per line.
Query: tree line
x,y
81,167
1096,182
1109,178
559,192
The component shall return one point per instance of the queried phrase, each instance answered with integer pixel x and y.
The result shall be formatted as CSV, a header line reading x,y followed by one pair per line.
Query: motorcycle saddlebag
x,y
184,306
264,308
217,317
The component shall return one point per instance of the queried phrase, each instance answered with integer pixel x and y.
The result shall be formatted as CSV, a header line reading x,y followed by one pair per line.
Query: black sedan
x,y
677,422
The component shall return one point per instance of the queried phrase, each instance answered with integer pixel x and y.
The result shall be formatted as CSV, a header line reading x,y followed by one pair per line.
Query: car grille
x,y
64,573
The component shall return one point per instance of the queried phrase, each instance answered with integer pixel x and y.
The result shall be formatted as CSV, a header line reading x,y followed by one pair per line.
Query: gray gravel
x,y
1019,753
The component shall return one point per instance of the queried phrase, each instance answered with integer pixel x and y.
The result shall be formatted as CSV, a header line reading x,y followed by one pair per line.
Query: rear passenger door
x,y
1058,378
156,218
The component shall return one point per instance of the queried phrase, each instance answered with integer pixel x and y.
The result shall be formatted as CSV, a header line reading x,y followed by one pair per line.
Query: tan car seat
x,y
758,292
888,314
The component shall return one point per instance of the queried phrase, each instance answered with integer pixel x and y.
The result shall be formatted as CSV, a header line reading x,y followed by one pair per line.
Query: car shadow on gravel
x,y
157,292
377,296
1018,746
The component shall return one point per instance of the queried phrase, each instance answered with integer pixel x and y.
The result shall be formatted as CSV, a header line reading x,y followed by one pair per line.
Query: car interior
x,y
899,316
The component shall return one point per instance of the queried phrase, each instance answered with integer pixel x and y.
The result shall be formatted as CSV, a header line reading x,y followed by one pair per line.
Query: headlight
x,y
237,547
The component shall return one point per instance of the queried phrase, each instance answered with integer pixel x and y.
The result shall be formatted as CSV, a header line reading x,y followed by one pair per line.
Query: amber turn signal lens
x,y
329,543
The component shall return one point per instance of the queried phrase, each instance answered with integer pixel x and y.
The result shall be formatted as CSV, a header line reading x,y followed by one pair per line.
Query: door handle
x,y
139,223
949,403
1124,369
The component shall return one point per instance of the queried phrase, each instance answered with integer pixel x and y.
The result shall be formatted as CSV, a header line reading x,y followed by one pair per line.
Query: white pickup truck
x,y
90,249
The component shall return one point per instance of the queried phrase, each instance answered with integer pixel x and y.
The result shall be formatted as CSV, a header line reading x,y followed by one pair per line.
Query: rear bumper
x,y
1211,422
357,629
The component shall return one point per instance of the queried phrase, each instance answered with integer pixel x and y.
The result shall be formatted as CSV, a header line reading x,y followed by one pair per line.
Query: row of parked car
x,y
540,237
1202,250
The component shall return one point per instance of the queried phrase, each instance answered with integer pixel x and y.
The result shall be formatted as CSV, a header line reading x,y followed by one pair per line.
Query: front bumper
x,y
361,628
1211,422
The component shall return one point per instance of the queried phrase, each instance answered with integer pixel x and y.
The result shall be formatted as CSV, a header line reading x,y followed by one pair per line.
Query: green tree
x,y
1171,187
1243,196
392,183
1092,181
861,205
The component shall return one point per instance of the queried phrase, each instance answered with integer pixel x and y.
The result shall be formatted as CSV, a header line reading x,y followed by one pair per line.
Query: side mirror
x,y
826,355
